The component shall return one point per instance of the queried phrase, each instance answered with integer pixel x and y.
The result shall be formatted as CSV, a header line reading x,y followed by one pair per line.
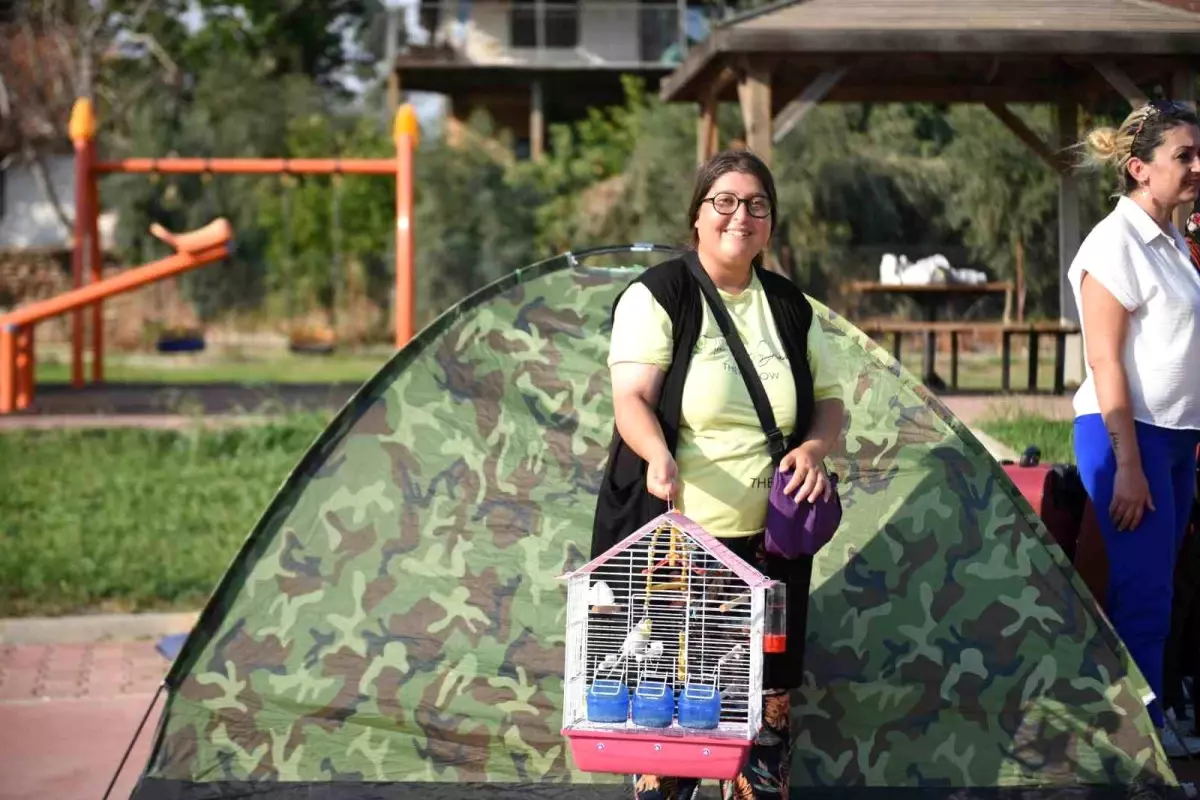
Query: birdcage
x,y
665,640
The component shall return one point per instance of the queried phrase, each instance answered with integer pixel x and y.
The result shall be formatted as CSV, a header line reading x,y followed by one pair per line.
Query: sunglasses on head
x,y
1154,108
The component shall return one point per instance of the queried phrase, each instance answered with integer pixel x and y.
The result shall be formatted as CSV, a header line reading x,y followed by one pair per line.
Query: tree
x,y
476,220
1003,199
54,53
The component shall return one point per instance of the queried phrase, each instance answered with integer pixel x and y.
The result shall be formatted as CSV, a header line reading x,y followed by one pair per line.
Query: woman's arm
x,y
826,427
1106,323
636,388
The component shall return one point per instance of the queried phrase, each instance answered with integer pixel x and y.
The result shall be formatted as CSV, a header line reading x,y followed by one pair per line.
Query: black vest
x,y
623,504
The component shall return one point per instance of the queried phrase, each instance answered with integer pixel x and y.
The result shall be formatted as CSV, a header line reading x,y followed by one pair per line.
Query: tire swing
x,y
310,338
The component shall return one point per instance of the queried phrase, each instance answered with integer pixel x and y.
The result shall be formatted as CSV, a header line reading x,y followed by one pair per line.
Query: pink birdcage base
x,y
627,753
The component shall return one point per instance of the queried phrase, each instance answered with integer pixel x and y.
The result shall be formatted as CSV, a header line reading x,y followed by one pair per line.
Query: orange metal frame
x,y
193,249
16,339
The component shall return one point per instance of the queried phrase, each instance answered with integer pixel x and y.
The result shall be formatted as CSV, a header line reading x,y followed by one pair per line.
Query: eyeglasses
x,y
727,203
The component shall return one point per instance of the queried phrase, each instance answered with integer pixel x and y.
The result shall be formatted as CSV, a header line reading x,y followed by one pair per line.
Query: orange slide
x,y
212,242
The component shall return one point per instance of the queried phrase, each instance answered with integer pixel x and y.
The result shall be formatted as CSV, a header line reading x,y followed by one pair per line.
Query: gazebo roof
x,y
946,50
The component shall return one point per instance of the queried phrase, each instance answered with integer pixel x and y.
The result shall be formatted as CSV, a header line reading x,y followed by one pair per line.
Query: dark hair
x,y
1137,137
742,161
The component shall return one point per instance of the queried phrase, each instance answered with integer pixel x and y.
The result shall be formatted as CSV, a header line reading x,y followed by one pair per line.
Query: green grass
x,y
351,367
129,520
1019,431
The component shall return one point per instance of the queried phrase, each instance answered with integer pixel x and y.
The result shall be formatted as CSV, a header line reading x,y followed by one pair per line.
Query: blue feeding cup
x,y
653,704
699,706
608,701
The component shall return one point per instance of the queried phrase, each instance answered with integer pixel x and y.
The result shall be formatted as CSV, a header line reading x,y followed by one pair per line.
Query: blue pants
x,y
1141,561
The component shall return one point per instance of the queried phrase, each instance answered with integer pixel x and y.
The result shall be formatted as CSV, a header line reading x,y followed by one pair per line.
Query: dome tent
x,y
393,625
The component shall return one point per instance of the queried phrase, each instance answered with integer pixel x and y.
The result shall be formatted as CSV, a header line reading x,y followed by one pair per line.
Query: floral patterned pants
x,y
765,773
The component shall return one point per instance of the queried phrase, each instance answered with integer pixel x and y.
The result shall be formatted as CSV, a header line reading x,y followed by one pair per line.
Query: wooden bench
x,y
1033,330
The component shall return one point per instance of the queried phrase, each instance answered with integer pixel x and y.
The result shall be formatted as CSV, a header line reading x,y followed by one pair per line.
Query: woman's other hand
x,y
809,480
662,476
1131,497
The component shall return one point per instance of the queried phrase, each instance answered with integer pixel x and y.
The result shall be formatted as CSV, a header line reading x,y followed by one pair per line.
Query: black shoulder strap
x,y
776,443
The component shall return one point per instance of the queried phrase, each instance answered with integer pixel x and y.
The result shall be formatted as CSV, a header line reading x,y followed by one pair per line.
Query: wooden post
x,y
1027,135
954,360
405,135
1005,359
791,114
706,131
81,128
1060,359
1033,360
537,126
1124,85
754,96
1069,237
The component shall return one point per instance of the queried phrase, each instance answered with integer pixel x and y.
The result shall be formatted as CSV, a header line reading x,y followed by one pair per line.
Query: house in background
x,y
28,219
530,63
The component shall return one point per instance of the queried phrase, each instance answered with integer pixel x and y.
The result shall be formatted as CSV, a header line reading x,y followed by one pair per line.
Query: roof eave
x,y
685,82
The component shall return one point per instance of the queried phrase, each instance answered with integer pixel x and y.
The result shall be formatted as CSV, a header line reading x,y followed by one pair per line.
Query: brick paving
x,y
68,712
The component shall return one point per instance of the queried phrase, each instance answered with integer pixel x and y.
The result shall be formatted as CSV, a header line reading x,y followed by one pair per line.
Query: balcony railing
x,y
601,33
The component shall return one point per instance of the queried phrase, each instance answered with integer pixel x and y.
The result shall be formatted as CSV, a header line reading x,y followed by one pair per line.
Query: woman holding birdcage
x,y
692,431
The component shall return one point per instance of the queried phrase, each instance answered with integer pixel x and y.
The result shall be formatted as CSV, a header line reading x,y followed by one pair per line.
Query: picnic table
x,y
931,298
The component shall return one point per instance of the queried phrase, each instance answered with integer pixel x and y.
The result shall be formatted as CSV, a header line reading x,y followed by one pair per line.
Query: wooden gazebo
x,y
778,62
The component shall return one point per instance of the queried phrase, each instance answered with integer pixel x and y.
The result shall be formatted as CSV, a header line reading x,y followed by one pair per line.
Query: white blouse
x,y
1152,275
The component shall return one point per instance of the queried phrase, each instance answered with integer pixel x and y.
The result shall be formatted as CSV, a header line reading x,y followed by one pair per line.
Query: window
x,y
559,23
523,23
562,25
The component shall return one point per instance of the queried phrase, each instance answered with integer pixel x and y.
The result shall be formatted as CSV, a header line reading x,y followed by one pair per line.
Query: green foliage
x,y
298,37
855,181
324,232
149,519
622,174
474,221
1001,193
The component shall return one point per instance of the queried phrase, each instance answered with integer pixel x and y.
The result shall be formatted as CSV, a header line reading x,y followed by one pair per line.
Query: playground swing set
x,y
207,244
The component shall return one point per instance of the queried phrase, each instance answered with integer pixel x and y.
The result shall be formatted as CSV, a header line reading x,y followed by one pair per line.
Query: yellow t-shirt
x,y
724,467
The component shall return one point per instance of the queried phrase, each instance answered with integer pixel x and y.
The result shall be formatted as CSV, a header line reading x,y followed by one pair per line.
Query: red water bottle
x,y
775,627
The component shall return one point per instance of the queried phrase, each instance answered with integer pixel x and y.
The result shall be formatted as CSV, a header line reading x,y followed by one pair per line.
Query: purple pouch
x,y
800,529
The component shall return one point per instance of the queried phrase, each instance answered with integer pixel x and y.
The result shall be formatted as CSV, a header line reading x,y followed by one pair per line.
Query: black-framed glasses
x,y
727,203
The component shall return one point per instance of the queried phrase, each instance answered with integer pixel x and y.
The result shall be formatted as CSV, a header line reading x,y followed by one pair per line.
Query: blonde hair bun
x,y
1102,145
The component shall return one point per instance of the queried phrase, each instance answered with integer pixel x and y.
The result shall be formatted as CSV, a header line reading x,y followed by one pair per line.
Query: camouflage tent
x,y
393,625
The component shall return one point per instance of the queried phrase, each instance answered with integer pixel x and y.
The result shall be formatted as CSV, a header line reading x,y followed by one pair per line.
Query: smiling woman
x,y
688,432
1137,423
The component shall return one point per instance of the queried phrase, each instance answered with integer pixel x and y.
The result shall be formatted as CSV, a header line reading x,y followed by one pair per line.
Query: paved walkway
x,y
67,713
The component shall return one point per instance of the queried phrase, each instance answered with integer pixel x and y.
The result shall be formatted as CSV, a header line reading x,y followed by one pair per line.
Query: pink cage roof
x,y
753,578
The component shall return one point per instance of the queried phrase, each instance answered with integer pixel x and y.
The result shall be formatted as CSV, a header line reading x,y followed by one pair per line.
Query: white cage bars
x,y
669,605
